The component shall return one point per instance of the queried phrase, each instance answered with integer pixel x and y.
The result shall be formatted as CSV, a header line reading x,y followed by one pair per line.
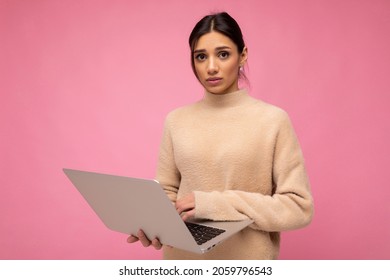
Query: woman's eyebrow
x,y
222,48
217,49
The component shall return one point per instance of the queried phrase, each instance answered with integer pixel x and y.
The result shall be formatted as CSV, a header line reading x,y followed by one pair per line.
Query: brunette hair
x,y
219,22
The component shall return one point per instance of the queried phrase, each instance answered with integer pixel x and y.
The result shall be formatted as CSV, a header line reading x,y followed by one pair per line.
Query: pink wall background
x,y
87,84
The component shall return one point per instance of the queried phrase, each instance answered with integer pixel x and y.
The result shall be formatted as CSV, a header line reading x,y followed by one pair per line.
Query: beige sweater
x,y
241,158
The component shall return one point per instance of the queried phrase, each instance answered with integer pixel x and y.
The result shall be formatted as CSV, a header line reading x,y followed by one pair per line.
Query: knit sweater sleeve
x,y
168,174
289,206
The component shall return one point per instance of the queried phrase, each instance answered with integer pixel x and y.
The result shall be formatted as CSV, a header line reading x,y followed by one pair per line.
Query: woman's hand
x,y
144,240
186,206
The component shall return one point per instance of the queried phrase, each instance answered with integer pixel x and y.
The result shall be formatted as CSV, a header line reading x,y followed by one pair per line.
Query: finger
x,y
132,239
156,244
185,204
144,240
184,208
188,215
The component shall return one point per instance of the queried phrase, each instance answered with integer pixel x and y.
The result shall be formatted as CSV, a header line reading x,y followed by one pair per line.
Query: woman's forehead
x,y
213,40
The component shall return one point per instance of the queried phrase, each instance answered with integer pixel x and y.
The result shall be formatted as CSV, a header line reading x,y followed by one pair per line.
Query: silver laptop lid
x,y
126,204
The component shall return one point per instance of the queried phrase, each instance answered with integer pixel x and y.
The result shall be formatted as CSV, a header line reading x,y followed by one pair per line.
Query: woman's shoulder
x,y
181,113
271,111
184,110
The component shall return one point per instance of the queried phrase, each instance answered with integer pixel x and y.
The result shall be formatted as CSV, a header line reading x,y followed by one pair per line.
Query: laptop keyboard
x,y
203,233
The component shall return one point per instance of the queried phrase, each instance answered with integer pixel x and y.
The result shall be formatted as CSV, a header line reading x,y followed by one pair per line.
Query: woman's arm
x,y
167,173
289,207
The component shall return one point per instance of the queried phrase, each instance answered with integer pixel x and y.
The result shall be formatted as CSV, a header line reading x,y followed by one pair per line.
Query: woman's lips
x,y
213,81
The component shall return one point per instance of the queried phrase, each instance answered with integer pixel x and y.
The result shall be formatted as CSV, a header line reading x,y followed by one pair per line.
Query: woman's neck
x,y
230,99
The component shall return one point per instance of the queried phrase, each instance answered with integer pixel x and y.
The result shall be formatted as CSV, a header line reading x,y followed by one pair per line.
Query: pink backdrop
x,y
87,84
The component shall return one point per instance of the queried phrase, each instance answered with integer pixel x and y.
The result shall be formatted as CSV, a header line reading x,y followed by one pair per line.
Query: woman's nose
x,y
212,66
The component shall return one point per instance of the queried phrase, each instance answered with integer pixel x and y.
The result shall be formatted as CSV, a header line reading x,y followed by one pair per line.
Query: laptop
x,y
127,204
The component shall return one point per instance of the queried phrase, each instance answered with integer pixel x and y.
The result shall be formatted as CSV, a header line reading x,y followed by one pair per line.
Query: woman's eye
x,y
223,55
200,57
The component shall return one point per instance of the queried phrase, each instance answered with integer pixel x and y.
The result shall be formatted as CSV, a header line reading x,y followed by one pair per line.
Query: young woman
x,y
230,156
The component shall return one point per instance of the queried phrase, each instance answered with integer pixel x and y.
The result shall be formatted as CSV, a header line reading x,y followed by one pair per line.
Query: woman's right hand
x,y
144,240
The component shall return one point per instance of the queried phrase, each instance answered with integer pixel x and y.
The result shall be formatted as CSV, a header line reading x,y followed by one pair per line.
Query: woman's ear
x,y
243,56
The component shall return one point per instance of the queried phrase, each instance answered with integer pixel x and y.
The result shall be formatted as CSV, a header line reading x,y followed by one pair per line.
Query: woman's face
x,y
217,63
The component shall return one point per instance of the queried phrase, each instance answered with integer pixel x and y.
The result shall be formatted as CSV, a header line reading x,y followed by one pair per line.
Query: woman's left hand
x,y
186,206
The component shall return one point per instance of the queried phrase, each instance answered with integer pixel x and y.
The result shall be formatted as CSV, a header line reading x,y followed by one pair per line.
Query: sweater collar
x,y
231,99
